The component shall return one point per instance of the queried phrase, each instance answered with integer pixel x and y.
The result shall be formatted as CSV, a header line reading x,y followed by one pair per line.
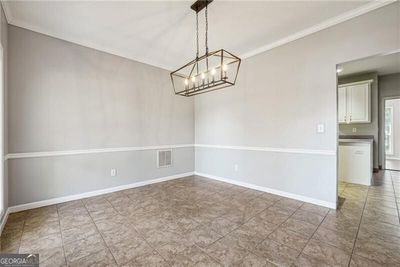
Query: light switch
x,y
320,128
354,130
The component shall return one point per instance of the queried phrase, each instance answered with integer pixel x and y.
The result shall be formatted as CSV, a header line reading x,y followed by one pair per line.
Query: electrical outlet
x,y
113,172
354,130
236,167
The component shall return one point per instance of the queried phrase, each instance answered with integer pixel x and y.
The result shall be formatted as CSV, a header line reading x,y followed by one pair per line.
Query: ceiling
x,y
382,64
162,33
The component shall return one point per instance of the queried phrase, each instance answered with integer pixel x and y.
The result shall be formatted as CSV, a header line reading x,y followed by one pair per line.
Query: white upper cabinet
x,y
342,104
354,102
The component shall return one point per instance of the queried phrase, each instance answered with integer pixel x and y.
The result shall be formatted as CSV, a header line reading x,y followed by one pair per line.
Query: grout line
x,y
101,235
319,225
22,233
359,226
62,239
395,196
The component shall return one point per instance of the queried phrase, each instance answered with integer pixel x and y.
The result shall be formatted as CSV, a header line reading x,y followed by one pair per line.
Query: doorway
x,y
392,134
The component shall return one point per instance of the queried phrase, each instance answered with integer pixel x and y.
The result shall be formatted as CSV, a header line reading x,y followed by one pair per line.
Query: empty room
x,y
200,133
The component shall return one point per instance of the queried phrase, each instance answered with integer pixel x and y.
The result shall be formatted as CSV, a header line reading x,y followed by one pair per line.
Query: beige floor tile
x,y
327,253
128,249
314,209
193,256
77,250
78,232
246,237
309,217
151,258
300,227
339,239
308,261
273,216
276,253
45,243
358,261
53,258
289,238
99,258
226,252
74,220
202,236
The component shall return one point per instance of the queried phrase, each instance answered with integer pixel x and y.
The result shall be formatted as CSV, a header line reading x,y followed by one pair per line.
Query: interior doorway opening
x,y
392,133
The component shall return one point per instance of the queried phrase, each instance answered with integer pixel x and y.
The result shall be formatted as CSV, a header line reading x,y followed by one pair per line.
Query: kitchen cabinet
x,y
355,161
354,102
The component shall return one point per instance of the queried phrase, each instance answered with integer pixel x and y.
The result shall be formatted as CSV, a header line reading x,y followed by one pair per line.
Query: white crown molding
x,y
274,149
7,11
318,202
58,200
89,151
321,26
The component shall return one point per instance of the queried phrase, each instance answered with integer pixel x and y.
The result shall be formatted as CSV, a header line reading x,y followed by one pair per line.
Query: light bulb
x,y
224,67
193,79
213,71
339,70
203,76
186,81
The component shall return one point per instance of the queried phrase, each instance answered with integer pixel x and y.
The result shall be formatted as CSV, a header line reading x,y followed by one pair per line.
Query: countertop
x,y
353,140
356,139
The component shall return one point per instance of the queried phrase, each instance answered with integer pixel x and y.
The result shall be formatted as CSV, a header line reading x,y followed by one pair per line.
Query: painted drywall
x,y
395,105
364,128
389,87
4,44
280,97
63,96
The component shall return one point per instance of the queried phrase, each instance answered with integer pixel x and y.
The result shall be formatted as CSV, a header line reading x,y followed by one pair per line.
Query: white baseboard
x,y
58,200
272,191
4,221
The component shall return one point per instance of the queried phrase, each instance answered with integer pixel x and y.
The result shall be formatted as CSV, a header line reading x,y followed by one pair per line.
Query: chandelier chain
x,y
197,35
206,29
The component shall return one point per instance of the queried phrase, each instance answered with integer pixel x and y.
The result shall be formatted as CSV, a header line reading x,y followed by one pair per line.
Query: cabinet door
x,y
358,103
342,109
355,163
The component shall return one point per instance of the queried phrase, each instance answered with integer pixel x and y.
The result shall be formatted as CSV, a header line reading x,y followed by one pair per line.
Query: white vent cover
x,y
164,158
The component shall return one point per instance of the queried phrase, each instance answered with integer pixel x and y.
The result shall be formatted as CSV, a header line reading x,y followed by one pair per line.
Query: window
x,y
389,130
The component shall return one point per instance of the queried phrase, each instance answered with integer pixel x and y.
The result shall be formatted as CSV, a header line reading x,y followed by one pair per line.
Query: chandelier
x,y
211,71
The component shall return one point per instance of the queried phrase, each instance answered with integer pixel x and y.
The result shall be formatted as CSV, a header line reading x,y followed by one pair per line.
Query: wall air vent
x,y
164,158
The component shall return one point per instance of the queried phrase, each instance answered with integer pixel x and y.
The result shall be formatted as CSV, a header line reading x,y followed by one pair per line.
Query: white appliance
x,y
356,160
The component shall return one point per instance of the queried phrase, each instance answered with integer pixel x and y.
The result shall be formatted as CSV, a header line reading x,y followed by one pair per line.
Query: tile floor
x,y
195,221
393,164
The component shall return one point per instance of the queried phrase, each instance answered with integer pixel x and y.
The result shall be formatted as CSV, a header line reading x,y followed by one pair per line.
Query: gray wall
x,y
365,128
4,43
279,98
63,96
389,87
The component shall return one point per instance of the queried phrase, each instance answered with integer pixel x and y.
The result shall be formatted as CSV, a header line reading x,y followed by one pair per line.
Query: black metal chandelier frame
x,y
194,81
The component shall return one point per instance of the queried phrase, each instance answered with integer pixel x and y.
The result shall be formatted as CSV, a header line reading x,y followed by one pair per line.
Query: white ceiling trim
x,y
319,27
316,28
